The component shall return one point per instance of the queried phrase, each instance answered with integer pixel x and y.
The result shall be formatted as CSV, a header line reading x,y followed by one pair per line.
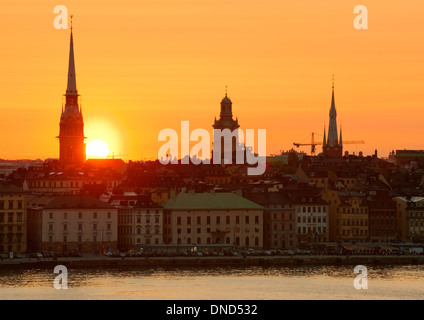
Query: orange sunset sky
x,y
146,65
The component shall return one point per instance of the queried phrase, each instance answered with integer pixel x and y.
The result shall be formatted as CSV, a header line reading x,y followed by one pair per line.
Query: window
x,y
157,231
10,217
189,231
199,220
109,227
80,227
79,215
199,230
65,227
109,215
94,215
19,217
95,227
188,220
247,219
256,219
50,238
50,226
10,204
65,239
65,215
227,219
156,219
208,220
1,205
138,230
20,204
237,219
179,220
138,219
218,220
51,215
94,238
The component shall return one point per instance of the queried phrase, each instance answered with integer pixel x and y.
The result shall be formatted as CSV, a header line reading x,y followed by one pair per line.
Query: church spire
x,y
71,89
332,128
341,139
324,142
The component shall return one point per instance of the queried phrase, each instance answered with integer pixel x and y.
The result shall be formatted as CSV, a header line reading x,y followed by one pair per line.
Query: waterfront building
x,y
213,218
13,219
71,223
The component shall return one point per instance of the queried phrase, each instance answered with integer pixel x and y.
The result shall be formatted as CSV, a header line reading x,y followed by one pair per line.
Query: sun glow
x,y
97,149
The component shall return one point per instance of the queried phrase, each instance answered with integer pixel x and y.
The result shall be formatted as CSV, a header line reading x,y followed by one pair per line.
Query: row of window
x,y
11,217
354,222
312,230
80,215
11,205
139,211
314,219
218,220
10,228
148,230
247,241
94,238
312,209
352,233
128,219
80,227
416,214
416,223
208,230
353,210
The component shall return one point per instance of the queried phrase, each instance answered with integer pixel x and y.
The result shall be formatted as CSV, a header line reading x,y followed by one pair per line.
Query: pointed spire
x,y
341,140
72,83
324,142
332,127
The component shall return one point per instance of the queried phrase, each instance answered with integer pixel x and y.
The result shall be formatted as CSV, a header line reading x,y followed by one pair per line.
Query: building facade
x,y
71,223
382,216
279,219
140,221
13,220
213,218
410,219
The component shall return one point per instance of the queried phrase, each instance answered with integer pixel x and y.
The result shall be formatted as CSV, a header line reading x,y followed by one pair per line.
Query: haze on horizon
x,y
146,65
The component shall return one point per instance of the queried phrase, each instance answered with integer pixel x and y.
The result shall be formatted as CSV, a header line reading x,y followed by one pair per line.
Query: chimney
x,y
172,194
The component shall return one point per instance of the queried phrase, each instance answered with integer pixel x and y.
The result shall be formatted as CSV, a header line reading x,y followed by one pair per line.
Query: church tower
x,y
71,135
333,147
226,122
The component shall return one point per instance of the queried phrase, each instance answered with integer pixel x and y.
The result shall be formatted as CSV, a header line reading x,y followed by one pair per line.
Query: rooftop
x,y
210,201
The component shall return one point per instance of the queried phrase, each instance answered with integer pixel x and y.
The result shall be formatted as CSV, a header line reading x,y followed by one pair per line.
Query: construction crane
x,y
314,143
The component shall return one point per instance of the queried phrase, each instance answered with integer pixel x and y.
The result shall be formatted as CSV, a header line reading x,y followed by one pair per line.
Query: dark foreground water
x,y
320,282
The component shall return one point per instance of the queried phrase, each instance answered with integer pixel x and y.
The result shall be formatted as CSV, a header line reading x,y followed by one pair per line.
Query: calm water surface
x,y
319,282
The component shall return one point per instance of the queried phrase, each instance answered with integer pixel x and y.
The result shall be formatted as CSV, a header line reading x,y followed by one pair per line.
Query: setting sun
x,y
97,148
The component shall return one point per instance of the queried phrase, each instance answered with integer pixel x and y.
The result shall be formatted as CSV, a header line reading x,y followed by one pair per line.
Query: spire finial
x,y
72,16
226,91
333,81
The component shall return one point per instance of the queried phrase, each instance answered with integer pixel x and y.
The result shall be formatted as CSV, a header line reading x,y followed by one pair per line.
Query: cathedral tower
x,y
71,135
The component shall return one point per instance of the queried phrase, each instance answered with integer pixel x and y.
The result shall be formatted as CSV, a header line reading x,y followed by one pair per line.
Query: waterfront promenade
x,y
98,261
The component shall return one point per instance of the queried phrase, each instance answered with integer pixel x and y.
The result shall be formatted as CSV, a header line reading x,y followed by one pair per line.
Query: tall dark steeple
x,y
71,135
226,121
333,147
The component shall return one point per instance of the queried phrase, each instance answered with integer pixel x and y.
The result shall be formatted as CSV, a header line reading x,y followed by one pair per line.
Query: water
x,y
252,283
